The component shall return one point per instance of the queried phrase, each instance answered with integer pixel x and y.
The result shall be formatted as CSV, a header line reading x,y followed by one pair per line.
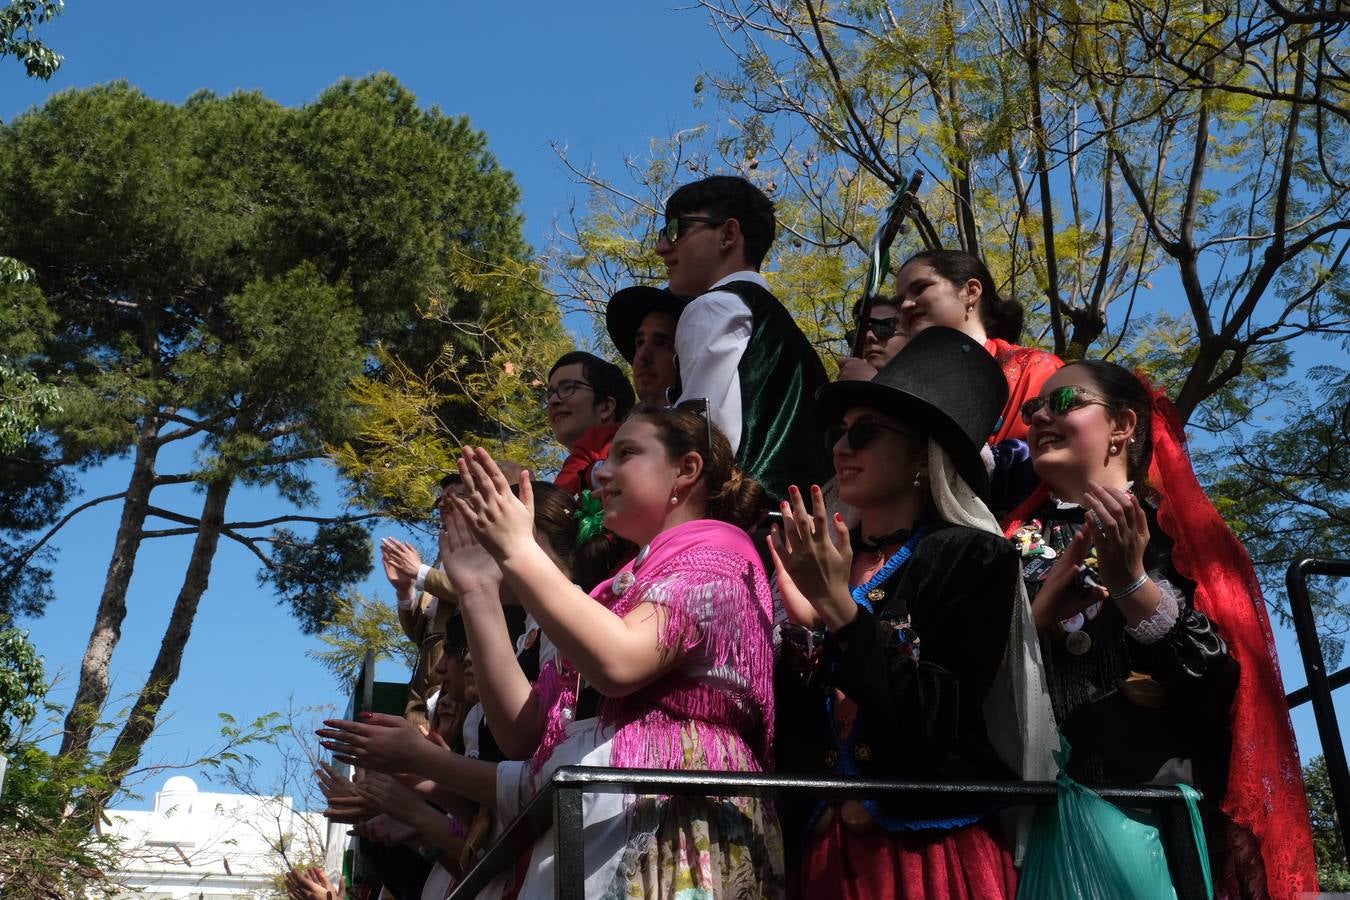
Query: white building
x,y
196,845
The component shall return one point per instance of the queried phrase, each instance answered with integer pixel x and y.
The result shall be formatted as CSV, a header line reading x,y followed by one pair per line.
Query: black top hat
x,y
628,307
942,382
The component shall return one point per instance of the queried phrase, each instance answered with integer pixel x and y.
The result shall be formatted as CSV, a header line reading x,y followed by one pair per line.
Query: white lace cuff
x,y
1156,626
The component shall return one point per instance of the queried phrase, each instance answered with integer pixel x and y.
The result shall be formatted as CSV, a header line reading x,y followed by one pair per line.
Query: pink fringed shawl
x,y
708,579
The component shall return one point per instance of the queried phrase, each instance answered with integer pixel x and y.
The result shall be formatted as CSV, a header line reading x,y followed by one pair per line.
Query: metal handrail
x,y
560,803
1319,684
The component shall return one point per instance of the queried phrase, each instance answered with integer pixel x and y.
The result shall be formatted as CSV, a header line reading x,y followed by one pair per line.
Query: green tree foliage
x,y
1103,158
359,624
18,20
218,274
1332,872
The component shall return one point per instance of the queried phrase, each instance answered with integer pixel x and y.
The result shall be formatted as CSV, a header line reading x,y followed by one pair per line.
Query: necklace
x,y
870,592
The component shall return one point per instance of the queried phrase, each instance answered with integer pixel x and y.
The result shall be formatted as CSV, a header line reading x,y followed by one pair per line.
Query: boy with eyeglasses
x,y
587,399
735,344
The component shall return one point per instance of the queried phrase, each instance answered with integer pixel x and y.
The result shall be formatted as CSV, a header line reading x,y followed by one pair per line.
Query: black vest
x,y
781,436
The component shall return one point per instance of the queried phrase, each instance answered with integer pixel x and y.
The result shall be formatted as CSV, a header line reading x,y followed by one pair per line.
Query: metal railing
x,y
559,804
1320,684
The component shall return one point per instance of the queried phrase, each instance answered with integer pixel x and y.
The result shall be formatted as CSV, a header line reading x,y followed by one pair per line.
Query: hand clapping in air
x,y
812,558
502,523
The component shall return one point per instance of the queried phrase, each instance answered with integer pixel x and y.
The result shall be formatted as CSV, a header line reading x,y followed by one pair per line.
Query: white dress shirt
x,y
710,339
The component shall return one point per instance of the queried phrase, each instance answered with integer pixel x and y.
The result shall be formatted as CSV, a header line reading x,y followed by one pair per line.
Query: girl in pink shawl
x,y
678,646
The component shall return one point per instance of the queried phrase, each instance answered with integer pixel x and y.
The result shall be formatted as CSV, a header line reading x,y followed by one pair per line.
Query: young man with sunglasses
x,y
735,344
880,340
587,398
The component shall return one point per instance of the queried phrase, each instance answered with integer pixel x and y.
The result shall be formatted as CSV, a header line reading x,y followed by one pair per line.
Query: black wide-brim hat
x,y
627,309
943,383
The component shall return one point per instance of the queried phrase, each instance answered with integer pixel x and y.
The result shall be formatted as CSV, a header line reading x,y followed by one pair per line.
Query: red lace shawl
x,y
1026,369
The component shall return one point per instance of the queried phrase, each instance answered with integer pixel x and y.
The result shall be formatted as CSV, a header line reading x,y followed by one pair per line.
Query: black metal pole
x,y
569,864
1319,686
1183,852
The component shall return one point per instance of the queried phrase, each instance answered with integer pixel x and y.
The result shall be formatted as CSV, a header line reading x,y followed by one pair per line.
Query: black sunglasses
x,y
678,227
861,433
882,329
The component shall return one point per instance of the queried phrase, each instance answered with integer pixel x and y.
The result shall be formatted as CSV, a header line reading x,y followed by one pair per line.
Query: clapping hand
x,y
469,567
379,742
1120,534
401,561
816,556
311,883
502,523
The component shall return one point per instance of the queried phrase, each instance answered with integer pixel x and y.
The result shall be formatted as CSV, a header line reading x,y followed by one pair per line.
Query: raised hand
x,y
379,742
851,368
311,883
502,523
1120,534
1060,596
345,803
389,796
400,558
468,566
816,556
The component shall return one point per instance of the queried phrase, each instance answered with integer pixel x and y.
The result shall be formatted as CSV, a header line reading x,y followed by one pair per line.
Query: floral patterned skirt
x,y
691,848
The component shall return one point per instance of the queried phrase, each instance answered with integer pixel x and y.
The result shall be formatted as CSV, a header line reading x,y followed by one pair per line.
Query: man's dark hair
x,y
605,378
730,197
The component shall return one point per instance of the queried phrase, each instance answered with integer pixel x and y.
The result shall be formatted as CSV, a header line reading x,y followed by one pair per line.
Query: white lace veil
x,y
1017,711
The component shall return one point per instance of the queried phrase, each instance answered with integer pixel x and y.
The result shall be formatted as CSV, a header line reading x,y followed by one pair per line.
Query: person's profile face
x,y
654,357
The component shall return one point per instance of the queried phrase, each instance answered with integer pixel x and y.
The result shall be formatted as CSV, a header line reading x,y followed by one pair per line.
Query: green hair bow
x,y
590,514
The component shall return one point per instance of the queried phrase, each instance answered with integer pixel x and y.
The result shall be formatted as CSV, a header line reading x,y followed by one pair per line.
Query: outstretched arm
x,y
618,655
392,744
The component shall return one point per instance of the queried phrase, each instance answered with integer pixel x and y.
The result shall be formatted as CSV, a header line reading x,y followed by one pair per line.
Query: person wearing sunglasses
x,y
881,340
909,644
1154,634
735,343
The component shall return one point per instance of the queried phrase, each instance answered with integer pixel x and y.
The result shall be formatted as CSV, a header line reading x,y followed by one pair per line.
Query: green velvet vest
x,y
781,437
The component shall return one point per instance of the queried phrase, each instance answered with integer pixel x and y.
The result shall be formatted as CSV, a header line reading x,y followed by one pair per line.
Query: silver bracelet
x,y
1157,626
1133,586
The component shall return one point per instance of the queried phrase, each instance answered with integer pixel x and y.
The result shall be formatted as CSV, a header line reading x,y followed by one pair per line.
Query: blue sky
x,y
601,78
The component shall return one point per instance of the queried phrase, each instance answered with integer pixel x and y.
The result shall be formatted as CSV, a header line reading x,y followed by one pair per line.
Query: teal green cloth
x,y
1084,846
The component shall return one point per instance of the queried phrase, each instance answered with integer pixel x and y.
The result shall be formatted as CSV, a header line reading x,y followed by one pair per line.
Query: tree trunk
x,y
140,724
92,692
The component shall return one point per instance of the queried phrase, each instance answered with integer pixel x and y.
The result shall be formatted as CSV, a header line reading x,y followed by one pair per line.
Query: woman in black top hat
x,y
904,632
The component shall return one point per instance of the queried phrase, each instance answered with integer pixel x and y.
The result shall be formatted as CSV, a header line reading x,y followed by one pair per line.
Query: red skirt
x,y
973,863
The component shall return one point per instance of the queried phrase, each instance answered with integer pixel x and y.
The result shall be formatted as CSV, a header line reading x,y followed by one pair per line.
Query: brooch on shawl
x,y
625,579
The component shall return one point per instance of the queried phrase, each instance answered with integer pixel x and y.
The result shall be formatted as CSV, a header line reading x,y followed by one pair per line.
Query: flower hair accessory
x,y
591,516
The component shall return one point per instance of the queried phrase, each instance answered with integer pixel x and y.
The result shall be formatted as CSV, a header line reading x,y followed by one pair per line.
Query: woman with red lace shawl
x,y
1155,638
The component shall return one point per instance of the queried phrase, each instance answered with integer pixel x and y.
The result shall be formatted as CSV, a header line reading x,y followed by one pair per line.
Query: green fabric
x,y
1084,846
780,374
590,516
